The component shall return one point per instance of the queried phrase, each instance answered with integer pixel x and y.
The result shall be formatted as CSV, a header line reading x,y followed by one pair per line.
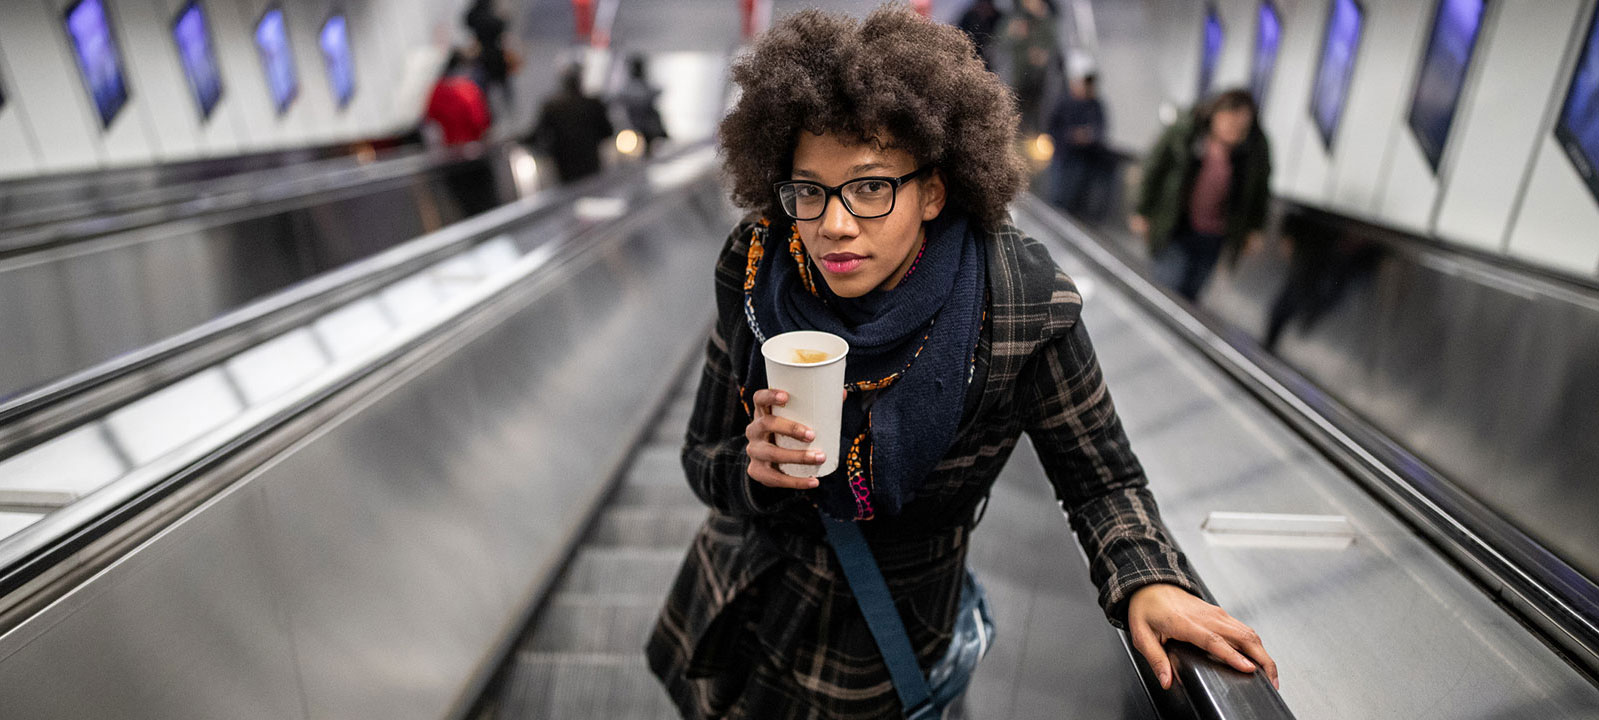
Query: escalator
x,y
454,492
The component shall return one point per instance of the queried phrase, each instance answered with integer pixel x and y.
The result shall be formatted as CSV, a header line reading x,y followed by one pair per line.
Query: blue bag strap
x,y
888,629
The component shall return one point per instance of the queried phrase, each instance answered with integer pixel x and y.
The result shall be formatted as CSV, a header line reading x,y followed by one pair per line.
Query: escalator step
x,y
629,571
665,526
657,464
595,623
654,495
563,686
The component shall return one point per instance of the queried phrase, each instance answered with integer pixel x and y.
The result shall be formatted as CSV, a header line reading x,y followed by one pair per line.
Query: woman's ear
x,y
933,195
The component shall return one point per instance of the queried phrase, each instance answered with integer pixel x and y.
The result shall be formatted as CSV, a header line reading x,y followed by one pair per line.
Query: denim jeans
x,y
1186,263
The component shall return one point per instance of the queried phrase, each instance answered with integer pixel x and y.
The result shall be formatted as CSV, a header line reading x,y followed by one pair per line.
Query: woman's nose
x,y
837,220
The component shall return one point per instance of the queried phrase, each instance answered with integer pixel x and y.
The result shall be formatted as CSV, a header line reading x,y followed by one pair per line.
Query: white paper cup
x,y
815,394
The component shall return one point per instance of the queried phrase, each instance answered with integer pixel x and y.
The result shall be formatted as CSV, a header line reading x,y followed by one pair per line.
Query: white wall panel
x,y
152,63
1393,37
1558,224
364,117
246,95
1287,111
130,140
224,133
1238,44
1522,51
1132,94
314,119
1408,190
41,69
17,156
1180,28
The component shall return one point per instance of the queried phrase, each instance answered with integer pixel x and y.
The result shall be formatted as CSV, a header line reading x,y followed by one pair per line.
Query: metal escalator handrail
x,y
187,201
1552,597
153,206
1202,687
32,552
37,414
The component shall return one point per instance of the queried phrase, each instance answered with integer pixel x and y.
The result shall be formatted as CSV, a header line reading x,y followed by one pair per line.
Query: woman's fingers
x,y
1148,645
766,452
769,476
1217,645
1248,641
765,399
765,426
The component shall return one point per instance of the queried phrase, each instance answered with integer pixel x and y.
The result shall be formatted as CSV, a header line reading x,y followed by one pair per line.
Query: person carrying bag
x,y
875,160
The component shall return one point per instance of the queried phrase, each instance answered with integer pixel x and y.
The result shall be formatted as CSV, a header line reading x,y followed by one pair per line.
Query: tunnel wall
x,y
1504,186
49,125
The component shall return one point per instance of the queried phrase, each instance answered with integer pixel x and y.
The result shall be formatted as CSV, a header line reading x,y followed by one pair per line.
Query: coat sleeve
x,y
1067,411
714,457
1156,166
1255,218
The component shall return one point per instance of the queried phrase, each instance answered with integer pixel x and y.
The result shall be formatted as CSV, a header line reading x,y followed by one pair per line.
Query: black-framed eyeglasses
x,y
864,197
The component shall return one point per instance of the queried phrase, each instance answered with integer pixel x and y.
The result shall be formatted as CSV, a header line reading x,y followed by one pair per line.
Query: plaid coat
x,y
760,622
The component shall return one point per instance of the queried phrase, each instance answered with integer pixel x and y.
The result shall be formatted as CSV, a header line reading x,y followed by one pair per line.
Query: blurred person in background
x,y
1322,265
497,61
457,105
979,22
1030,36
1204,192
570,128
1077,126
460,114
638,101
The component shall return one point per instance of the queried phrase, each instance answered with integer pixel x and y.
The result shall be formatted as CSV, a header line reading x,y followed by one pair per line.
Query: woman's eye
x,y
807,191
871,187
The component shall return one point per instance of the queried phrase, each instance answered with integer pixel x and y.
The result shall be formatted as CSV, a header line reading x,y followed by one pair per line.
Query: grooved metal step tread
x,y
630,571
596,627
648,526
655,495
563,686
657,463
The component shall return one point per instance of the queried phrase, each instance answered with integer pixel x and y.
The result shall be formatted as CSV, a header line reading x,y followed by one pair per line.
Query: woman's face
x,y
1231,127
858,256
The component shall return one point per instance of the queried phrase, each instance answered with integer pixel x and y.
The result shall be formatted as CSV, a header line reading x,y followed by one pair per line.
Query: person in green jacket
x,y
1204,192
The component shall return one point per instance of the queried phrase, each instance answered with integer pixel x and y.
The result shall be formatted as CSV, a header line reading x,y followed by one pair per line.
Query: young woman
x,y
876,158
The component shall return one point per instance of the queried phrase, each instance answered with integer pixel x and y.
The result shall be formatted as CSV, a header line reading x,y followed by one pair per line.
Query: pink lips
x,y
840,263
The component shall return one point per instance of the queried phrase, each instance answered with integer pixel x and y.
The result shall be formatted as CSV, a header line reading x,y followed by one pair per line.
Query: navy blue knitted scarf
x,y
910,358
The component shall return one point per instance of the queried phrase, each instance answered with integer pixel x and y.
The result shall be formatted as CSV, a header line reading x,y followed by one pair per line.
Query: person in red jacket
x,y
461,111
457,104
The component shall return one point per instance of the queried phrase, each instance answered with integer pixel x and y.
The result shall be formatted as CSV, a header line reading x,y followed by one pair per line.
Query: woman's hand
x,y
1160,612
764,452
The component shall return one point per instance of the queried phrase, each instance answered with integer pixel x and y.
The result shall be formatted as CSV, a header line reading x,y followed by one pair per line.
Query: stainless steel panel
x,y
82,303
1381,627
397,543
416,525
188,627
1484,376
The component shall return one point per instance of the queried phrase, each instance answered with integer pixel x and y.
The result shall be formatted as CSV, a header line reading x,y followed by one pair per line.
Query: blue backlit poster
x,y
1210,51
1443,74
335,41
99,60
1336,67
1578,129
1268,37
198,58
277,58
